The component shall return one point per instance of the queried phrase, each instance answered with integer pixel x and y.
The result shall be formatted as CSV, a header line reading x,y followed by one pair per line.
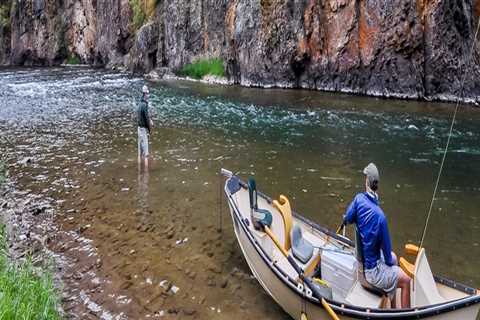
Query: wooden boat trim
x,y
344,308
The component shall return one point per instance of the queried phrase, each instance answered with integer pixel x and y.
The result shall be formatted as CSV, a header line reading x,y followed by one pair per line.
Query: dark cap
x,y
372,174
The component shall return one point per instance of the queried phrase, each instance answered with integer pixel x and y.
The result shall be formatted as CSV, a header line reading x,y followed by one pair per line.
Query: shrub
x,y
25,293
73,59
202,67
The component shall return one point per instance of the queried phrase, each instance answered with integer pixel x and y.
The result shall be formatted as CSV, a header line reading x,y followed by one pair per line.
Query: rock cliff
x,y
403,48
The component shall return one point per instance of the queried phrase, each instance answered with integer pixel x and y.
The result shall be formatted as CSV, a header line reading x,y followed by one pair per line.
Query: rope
x,y
448,140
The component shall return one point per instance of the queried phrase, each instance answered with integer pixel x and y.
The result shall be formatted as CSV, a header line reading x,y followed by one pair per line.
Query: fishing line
x,y
448,139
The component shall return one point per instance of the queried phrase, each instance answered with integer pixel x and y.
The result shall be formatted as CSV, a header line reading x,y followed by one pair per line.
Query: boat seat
x,y
284,208
302,249
259,217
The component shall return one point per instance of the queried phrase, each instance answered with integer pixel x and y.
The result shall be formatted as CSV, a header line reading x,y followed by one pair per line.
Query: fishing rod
x,y
448,139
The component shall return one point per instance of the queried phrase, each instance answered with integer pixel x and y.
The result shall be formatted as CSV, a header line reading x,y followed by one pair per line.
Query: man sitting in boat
x,y
380,263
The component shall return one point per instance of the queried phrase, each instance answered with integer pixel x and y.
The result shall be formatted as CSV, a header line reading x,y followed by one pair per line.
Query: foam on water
x,y
290,123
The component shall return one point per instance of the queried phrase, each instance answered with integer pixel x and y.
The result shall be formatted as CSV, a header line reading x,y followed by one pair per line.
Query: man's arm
x,y
351,213
386,243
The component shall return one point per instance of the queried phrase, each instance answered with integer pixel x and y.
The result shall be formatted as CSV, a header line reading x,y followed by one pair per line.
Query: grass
x,y
73,59
202,67
5,15
25,293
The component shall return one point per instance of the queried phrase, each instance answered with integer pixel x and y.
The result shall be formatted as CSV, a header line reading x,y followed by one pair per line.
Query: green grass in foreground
x,y
203,67
24,293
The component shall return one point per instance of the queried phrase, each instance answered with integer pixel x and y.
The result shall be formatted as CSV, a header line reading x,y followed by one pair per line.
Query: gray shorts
x,y
382,276
142,142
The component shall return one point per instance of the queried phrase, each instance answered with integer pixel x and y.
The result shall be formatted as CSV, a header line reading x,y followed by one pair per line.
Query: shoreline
x,y
33,233
154,76
214,80
27,221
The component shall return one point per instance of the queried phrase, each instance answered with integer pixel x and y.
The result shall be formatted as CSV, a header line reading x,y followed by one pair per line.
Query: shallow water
x,y
78,127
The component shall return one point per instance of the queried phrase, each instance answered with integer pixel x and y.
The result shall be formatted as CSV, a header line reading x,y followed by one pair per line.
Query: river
x,y
70,136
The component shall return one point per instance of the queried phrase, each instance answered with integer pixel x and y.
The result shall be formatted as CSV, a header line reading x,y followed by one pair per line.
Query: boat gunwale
x,y
345,308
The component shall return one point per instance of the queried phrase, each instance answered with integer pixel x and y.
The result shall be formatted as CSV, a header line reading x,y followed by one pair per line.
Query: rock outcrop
x,y
402,48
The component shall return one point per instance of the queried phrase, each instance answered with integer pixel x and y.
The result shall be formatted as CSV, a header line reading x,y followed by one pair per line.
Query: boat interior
x,y
333,263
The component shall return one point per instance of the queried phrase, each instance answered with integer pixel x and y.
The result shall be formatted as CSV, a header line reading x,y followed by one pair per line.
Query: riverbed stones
x,y
224,283
189,311
25,161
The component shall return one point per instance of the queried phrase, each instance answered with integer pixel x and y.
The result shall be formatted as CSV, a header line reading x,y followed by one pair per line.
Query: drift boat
x,y
314,273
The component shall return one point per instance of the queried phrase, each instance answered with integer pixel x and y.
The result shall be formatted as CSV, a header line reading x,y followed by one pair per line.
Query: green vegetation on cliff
x,y
142,10
73,59
5,15
25,292
202,67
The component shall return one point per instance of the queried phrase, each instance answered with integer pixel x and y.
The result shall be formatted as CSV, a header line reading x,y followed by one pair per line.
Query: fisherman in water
x,y
380,263
144,127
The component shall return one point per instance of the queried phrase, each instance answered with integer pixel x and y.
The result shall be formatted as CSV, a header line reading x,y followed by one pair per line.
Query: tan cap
x,y
372,173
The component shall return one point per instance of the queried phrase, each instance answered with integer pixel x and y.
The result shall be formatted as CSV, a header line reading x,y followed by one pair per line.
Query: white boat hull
x,y
284,292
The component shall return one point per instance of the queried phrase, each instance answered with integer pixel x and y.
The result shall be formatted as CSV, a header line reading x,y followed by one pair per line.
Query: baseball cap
x,y
145,89
372,174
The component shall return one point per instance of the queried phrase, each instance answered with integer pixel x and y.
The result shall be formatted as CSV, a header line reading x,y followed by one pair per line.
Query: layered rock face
x,y
46,32
405,48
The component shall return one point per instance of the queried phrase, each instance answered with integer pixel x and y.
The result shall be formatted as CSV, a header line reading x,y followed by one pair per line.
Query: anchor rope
x,y
449,137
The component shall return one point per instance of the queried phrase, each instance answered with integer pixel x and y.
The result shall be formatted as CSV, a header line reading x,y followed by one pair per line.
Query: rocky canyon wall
x,y
404,48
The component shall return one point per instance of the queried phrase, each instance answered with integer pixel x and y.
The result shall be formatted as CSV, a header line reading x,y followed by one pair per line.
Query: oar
x,y
299,270
342,226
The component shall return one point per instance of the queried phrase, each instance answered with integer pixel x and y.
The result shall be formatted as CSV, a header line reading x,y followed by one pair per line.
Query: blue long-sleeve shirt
x,y
372,224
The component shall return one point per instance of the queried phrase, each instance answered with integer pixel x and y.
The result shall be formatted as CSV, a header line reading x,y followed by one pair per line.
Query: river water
x,y
70,135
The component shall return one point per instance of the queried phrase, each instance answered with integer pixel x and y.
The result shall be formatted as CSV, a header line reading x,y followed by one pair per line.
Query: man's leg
x,y
146,153
395,259
139,147
404,285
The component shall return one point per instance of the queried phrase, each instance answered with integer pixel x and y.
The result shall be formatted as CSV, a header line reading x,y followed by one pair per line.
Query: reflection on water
x,y
142,193
78,125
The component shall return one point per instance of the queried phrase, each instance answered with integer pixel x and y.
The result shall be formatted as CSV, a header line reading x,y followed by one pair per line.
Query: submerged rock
x,y
189,311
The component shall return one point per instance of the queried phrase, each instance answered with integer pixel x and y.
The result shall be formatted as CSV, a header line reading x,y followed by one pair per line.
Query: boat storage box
x,y
339,270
